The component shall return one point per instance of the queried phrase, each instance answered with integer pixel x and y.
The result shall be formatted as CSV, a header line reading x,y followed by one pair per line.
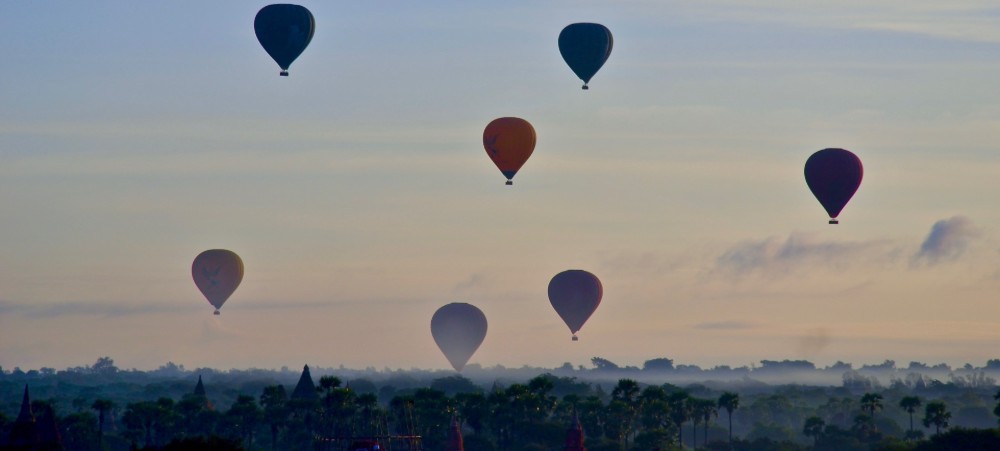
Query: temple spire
x,y
199,393
24,431
574,435
455,442
305,389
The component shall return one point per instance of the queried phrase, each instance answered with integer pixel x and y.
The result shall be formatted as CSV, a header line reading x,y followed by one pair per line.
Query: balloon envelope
x,y
585,47
217,273
833,176
284,31
509,141
458,329
575,294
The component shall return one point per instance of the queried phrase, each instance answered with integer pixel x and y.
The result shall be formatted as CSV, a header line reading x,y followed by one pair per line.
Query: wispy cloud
x,y
88,308
947,241
726,325
813,342
799,251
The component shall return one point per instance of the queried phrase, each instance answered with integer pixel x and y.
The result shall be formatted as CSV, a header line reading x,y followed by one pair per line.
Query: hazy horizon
x,y
360,198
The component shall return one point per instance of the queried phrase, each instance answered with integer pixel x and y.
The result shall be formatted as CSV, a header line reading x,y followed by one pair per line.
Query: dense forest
x,y
786,405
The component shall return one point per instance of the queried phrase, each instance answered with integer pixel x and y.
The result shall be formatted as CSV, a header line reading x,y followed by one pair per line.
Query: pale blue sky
x,y
134,135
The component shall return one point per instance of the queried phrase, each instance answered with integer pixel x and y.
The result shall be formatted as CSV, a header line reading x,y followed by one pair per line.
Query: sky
x,y
135,135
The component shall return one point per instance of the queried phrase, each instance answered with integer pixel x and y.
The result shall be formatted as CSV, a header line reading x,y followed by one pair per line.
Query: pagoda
x,y
574,436
24,431
454,442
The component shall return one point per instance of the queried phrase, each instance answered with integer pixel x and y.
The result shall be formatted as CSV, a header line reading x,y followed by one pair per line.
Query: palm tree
x,y
102,406
996,410
814,428
729,401
707,409
245,414
936,413
910,404
680,411
274,400
627,392
871,403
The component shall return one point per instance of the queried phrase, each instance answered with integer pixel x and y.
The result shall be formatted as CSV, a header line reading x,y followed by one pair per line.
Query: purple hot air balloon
x,y
458,329
575,294
833,176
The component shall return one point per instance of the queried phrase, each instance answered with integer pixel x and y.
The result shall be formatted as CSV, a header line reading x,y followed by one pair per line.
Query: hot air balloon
x,y
458,329
585,47
217,273
833,175
509,142
284,31
575,294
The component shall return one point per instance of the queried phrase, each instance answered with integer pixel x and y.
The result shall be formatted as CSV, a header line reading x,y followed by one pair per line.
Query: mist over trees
x,y
662,404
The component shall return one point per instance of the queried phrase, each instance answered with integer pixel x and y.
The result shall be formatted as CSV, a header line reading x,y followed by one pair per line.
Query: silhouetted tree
x,y
625,397
936,413
680,412
274,401
729,401
910,404
660,364
336,406
814,428
871,403
102,406
245,415
79,431
705,410
601,364
473,410
996,410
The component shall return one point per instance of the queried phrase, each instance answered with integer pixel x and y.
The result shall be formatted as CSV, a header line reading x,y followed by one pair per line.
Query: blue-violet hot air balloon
x,y
458,329
284,31
575,294
833,176
585,47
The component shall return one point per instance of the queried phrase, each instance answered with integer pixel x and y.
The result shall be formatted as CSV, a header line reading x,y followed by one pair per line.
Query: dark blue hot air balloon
x,y
284,31
585,47
575,294
833,176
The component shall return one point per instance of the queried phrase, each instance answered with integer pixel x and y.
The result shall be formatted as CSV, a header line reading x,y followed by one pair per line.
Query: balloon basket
x,y
216,313
585,87
834,221
509,182
283,73
575,338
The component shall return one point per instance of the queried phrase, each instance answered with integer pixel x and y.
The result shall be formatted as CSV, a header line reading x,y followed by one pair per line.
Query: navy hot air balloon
x,y
284,31
575,294
585,47
833,176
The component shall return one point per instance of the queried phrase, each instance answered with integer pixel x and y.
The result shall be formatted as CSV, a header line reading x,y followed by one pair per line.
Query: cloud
x,y
780,257
947,241
88,308
813,342
725,325
472,283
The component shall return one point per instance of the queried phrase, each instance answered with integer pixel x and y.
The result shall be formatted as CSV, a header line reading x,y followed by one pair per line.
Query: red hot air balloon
x,y
833,176
575,294
458,329
217,273
509,142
